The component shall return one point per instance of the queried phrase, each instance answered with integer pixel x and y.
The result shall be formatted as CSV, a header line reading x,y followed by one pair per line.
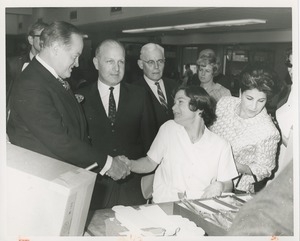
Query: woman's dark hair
x,y
200,100
260,78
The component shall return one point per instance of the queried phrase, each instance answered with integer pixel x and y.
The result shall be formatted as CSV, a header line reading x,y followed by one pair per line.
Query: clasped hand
x,y
119,168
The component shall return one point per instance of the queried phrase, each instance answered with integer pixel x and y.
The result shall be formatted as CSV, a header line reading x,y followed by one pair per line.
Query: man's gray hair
x,y
150,47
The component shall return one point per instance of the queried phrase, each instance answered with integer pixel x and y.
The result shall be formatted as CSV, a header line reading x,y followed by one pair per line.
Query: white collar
x,y
152,82
47,66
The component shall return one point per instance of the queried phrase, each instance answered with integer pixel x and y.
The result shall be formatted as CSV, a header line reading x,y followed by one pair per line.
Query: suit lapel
x,y
68,96
169,94
122,101
97,104
151,92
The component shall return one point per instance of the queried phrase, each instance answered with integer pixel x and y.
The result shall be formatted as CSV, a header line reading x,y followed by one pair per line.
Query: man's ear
x,y
96,62
140,64
30,39
55,48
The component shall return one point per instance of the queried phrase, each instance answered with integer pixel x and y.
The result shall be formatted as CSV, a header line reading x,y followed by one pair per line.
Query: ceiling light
x,y
238,22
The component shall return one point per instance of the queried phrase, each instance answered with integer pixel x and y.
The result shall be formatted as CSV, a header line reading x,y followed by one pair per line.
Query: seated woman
x,y
207,69
189,158
244,122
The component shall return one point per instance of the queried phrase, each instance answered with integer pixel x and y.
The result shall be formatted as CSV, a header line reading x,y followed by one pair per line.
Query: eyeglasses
x,y
151,63
288,64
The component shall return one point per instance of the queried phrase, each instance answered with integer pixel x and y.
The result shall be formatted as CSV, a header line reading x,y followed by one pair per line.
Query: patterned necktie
x,y
161,96
112,106
64,83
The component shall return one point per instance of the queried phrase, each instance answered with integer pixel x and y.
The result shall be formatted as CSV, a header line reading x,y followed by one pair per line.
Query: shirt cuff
x,y
106,166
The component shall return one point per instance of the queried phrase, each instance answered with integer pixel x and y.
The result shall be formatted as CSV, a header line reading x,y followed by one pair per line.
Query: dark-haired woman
x,y
244,122
189,157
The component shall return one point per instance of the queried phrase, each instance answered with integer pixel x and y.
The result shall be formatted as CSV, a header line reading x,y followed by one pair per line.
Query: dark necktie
x,y
64,83
161,96
112,106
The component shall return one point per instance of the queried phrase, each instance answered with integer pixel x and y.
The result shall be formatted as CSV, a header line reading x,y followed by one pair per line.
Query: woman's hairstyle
x,y
208,60
260,78
200,100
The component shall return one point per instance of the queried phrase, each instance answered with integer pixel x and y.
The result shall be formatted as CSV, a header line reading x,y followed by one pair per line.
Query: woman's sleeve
x,y
265,157
227,169
158,147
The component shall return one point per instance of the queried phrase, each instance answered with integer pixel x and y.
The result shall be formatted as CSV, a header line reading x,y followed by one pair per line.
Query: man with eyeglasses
x,y
17,64
159,89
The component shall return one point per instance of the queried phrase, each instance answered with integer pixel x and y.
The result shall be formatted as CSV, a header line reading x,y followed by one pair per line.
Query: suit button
x,y
112,130
115,149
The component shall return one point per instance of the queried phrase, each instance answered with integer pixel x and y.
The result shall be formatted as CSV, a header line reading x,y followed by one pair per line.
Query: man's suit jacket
x,y
131,135
160,113
47,119
14,67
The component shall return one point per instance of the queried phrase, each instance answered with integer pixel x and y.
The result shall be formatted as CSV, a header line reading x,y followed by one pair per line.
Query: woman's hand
x,y
243,169
214,189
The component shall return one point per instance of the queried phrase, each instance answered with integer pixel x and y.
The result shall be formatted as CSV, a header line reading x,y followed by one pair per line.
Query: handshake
x,y
120,168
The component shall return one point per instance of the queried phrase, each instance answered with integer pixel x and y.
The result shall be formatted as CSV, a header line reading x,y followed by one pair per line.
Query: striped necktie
x,y
112,111
161,96
64,83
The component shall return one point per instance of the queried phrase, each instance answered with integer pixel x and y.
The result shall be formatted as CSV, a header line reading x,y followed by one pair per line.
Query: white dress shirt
x,y
185,166
47,66
153,87
104,92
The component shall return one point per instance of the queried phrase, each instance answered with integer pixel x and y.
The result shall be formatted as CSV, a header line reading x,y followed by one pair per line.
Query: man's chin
x,y
67,75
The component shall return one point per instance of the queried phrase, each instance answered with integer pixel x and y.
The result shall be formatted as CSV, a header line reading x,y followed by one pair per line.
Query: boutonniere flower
x,y
79,98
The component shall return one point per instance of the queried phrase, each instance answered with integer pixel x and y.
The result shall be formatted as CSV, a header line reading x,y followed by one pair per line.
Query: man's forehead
x,y
109,51
155,53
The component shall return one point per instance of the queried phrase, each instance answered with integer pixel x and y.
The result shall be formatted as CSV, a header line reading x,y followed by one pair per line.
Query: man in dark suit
x,y
125,130
160,90
16,65
45,115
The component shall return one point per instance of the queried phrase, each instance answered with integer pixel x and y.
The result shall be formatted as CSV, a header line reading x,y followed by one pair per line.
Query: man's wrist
x,y
129,164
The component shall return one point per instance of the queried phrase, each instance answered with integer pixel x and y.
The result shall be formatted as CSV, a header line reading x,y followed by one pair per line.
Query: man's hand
x,y
126,161
119,169
214,189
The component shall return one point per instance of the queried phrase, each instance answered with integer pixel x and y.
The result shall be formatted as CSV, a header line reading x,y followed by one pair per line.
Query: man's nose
x,y
76,64
117,67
